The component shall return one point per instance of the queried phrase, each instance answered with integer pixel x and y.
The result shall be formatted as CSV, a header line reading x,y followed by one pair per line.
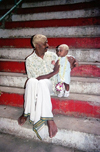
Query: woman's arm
x,y
48,76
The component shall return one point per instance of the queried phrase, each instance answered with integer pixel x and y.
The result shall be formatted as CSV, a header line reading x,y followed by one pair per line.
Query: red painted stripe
x,y
12,99
82,70
12,66
55,8
86,70
75,108
60,106
93,42
54,23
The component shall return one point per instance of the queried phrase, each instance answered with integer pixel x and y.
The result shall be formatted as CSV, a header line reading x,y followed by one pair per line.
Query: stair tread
x,y
87,125
89,31
57,15
95,99
80,63
84,79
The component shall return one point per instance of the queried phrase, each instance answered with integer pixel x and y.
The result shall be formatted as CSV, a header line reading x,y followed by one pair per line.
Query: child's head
x,y
62,50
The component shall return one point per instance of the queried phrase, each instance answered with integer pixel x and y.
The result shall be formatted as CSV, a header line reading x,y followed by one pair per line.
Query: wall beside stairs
x,y
74,22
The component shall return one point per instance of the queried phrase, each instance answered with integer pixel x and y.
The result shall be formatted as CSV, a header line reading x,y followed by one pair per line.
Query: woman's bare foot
x,y
21,120
52,128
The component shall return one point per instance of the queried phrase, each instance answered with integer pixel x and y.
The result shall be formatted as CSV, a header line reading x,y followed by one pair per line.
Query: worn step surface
x,y
55,2
82,55
79,133
41,3
80,105
53,7
77,85
53,23
93,12
84,31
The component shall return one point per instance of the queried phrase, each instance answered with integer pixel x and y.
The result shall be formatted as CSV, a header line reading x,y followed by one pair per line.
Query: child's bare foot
x,y
21,120
52,128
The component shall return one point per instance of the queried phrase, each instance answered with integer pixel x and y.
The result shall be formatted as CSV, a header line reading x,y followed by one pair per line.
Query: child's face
x,y
62,52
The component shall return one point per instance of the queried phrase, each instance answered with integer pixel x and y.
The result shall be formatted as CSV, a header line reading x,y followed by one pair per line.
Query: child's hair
x,y
65,47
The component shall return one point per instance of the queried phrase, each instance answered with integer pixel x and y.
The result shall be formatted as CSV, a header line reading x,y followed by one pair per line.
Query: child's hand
x,y
53,62
76,64
56,67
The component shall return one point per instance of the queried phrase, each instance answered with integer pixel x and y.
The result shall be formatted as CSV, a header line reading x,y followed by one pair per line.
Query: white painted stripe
x,y
69,138
82,55
13,81
57,15
84,31
77,85
14,53
54,2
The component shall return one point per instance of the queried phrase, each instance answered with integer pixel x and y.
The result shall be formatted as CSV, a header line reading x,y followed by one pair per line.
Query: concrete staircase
x,y
76,23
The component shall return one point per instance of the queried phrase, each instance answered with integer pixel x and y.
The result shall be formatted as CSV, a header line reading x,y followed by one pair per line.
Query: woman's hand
x,y
56,67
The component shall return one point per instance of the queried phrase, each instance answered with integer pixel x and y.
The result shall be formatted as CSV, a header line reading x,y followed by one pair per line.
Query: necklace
x,y
59,86
62,76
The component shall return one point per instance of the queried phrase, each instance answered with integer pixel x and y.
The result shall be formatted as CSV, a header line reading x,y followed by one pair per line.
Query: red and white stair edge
x,y
57,15
82,55
78,137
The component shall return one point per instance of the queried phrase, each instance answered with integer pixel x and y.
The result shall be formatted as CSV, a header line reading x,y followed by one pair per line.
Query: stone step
x,y
79,133
85,69
83,31
79,85
53,23
54,8
93,12
32,3
76,42
77,105
54,2
82,55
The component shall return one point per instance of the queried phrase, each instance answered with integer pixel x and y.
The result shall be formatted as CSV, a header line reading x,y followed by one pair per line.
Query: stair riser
x,y
63,106
83,31
54,23
53,42
82,55
82,70
57,15
76,86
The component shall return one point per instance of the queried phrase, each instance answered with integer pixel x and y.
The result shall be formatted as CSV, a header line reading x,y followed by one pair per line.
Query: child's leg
x,y
66,87
66,94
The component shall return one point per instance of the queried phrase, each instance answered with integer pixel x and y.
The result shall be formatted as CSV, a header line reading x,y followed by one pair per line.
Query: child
x,y
67,62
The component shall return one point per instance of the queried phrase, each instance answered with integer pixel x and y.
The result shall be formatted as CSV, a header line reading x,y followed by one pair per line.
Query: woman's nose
x,y
47,45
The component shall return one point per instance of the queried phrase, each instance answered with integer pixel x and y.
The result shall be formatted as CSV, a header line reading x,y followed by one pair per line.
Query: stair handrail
x,y
10,10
